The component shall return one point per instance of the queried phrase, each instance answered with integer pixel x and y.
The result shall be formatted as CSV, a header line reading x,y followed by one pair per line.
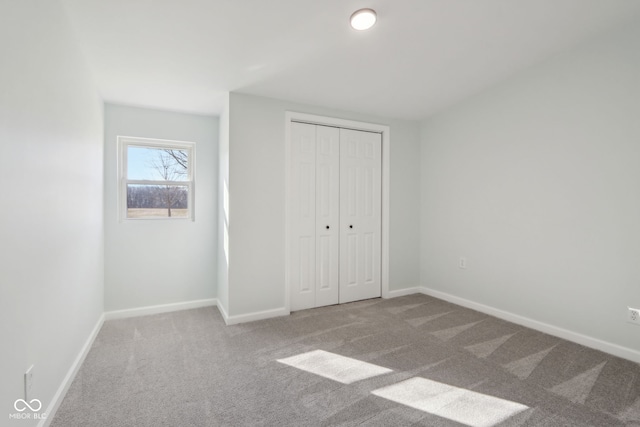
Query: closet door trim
x,y
384,131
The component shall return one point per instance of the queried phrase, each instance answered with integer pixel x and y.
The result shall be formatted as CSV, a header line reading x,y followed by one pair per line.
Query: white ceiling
x,y
421,56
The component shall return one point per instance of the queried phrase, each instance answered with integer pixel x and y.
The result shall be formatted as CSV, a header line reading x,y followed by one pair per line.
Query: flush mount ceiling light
x,y
363,19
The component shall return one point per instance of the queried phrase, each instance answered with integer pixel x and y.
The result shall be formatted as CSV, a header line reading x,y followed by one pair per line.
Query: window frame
x,y
123,144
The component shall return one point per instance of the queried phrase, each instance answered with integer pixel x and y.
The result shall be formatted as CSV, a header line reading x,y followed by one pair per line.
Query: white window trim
x,y
123,142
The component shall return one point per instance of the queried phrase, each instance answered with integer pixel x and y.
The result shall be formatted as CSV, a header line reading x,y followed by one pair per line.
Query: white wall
x,y
223,209
51,225
158,262
537,182
257,200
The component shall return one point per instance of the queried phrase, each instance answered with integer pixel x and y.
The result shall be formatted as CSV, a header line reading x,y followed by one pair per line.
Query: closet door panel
x,y
327,215
360,215
302,245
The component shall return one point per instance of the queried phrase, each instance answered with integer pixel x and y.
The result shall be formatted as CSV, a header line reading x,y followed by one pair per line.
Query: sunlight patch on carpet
x,y
454,403
335,367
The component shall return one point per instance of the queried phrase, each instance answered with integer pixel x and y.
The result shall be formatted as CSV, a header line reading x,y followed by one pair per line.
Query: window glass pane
x,y
157,201
157,164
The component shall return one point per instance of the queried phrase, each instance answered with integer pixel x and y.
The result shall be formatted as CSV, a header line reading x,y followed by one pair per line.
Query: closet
x,y
335,215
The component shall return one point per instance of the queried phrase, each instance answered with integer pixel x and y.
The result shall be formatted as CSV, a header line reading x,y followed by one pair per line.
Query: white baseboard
x,y
402,292
223,312
250,317
71,374
156,309
607,347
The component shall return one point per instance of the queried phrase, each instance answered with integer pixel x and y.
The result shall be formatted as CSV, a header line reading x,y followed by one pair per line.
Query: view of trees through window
x,y
157,182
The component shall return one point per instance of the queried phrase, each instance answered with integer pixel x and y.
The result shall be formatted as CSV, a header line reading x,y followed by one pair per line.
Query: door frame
x,y
385,131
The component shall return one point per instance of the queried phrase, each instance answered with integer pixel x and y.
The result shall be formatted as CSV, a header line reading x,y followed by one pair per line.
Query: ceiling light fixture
x,y
363,19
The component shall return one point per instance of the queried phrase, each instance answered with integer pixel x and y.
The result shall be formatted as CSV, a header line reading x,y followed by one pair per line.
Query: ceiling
x,y
421,56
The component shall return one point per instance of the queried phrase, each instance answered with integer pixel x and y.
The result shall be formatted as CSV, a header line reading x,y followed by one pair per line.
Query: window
x,y
156,178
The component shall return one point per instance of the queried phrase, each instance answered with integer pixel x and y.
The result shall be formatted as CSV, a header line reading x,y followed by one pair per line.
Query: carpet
x,y
408,361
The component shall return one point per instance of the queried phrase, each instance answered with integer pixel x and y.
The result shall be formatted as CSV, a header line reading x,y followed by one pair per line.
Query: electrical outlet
x,y
462,263
634,316
28,383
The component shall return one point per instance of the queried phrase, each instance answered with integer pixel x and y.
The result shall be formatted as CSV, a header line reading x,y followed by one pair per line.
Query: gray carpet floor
x,y
432,363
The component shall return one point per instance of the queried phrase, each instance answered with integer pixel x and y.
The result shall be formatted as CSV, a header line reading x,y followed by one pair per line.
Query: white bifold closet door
x,y
335,229
360,214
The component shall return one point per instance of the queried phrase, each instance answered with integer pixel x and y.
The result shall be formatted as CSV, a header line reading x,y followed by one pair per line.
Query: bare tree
x,y
171,165
180,157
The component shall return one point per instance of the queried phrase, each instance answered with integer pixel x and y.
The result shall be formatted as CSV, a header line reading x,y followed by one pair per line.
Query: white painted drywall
x,y
223,209
51,225
154,262
257,192
537,183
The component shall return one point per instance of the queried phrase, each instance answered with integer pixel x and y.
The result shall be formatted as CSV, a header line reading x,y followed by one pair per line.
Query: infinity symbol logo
x,y
27,405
